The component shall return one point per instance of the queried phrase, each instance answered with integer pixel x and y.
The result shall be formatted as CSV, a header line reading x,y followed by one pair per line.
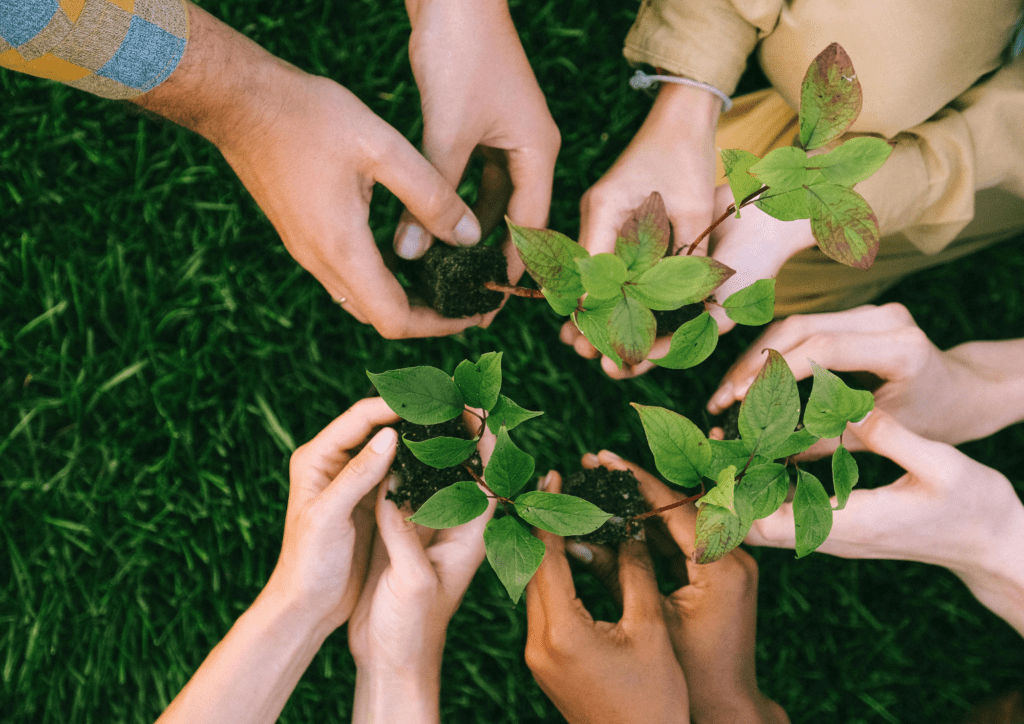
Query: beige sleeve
x,y
927,187
706,40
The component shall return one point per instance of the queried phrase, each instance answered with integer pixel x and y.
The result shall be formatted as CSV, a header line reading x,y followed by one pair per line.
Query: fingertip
x,y
590,460
384,441
467,231
716,433
411,240
611,460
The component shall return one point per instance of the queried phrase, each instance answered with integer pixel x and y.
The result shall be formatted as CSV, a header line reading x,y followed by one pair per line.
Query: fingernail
x,y
612,456
544,482
384,440
393,482
579,551
409,242
723,397
591,459
467,231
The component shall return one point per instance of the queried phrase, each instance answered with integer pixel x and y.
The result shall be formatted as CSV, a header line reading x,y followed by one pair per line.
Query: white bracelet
x,y
642,80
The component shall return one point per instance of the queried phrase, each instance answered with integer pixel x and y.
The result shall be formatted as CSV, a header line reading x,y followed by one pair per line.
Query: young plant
x,y
427,396
749,484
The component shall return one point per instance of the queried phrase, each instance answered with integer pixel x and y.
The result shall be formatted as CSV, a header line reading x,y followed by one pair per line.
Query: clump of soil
x,y
613,491
730,423
451,280
672,319
418,480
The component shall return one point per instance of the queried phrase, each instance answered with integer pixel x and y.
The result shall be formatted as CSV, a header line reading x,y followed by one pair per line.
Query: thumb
x,y
641,599
363,471
880,433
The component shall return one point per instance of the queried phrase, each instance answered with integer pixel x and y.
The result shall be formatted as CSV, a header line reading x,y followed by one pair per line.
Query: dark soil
x,y
613,491
451,279
418,480
671,320
729,422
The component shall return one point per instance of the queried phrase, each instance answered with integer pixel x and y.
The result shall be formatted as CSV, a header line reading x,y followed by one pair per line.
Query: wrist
x,y
300,620
386,694
686,111
993,380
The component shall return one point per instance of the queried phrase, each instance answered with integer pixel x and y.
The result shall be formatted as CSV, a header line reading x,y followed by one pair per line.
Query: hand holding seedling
x,y
479,95
965,393
947,510
416,579
596,670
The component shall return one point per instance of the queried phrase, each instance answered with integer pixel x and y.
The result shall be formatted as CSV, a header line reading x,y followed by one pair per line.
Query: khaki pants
x,y
812,282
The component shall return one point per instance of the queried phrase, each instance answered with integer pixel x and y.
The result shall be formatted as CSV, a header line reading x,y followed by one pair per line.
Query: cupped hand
x,y
479,95
947,510
596,671
310,157
711,617
922,387
329,521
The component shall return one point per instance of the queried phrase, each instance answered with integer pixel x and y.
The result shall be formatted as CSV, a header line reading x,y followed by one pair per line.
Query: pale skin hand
x,y
310,153
711,618
479,95
947,510
965,393
250,674
416,580
596,671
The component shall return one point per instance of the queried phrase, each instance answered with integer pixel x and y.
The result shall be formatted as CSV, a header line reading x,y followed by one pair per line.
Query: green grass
x,y
160,353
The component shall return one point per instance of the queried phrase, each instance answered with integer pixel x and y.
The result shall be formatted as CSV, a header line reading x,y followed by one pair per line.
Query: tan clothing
x,y
918,63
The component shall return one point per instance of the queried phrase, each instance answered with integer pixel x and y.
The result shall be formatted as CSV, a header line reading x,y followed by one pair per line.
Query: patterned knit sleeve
x,y
112,48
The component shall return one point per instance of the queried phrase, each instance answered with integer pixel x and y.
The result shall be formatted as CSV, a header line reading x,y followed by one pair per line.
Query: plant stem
x,y
514,290
657,511
729,211
480,481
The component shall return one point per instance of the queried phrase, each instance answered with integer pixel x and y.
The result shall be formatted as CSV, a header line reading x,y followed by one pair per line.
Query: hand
x,y
947,510
672,153
595,671
310,152
329,522
479,95
711,618
965,393
416,581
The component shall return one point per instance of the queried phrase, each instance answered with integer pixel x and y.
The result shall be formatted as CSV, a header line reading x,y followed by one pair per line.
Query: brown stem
x,y
504,501
731,210
657,511
514,290
749,460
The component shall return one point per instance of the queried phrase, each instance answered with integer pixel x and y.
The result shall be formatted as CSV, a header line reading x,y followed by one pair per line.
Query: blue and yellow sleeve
x,y
112,48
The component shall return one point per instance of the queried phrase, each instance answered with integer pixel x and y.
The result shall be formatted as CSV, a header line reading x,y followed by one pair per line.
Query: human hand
x,y
951,396
595,670
947,510
711,618
479,95
329,521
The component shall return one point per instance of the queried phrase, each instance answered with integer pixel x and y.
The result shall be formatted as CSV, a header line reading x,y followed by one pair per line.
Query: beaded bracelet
x,y
642,80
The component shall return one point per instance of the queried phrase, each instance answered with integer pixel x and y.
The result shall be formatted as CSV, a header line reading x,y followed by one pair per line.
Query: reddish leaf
x,y
830,97
631,330
844,225
643,239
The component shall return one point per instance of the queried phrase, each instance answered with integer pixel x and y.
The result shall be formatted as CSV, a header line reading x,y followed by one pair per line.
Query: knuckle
x,y
299,457
897,312
537,659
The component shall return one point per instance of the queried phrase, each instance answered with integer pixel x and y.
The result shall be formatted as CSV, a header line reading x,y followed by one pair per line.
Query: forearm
x,y
384,696
250,674
992,383
684,114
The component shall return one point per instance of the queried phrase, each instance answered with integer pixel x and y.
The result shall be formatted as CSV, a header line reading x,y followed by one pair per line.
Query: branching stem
x,y
729,211
658,511
490,493
514,290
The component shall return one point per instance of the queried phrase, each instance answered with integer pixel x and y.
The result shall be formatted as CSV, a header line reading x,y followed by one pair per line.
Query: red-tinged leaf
x,y
550,258
843,224
830,97
631,330
644,238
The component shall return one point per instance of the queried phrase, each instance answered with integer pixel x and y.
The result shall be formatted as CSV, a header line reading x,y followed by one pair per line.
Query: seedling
x,y
428,396
749,484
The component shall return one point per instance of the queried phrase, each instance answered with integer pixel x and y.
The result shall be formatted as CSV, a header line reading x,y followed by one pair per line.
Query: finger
x,y
551,592
641,599
494,194
600,221
880,433
725,324
584,348
626,372
532,171
599,561
458,552
401,540
568,333
363,471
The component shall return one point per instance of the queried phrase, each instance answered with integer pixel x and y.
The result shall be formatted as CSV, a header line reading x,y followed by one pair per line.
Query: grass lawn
x,y
161,354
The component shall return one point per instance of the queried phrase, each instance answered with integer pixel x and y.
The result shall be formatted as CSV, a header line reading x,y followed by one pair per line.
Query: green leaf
x,y
480,381
765,487
550,258
593,324
514,554
844,475
457,504
771,408
442,452
724,492
843,224
560,514
631,330
678,280
731,452
785,206
720,530
830,97
742,184
812,513
643,239
853,161
602,275
508,413
692,343
509,467
832,404
681,452
421,395
752,305
795,444
785,169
